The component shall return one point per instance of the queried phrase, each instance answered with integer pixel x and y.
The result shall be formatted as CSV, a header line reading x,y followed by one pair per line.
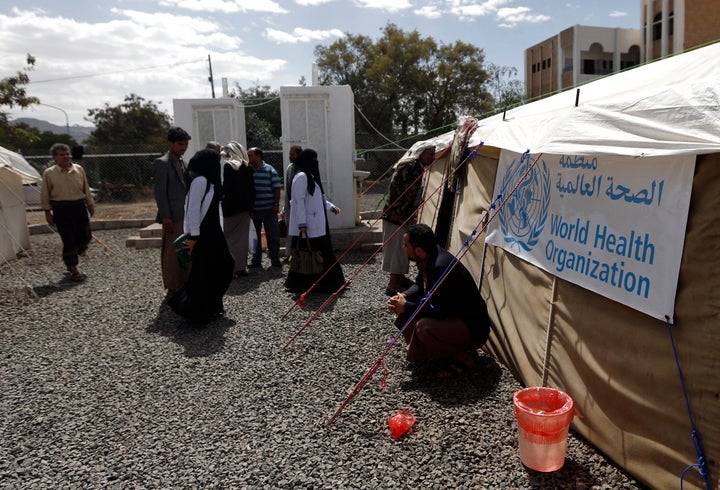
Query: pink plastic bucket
x,y
543,416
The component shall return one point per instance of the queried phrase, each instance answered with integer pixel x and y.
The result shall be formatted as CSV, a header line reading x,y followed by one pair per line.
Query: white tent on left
x,y
14,172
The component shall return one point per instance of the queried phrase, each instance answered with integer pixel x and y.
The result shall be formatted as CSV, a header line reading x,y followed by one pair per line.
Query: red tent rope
x,y
357,271
482,224
301,299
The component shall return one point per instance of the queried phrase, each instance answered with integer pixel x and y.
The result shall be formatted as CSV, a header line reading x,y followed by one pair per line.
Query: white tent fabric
x,y
14,172
16,163
616,363
662,108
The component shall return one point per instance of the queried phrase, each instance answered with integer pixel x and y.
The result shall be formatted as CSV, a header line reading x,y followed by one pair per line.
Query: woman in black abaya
x,y
201,299
308,217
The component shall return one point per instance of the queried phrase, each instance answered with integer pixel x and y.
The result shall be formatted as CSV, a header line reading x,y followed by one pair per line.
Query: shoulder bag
x,y
305,260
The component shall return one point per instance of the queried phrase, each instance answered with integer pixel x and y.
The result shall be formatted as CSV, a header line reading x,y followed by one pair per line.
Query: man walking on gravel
x,y
170,190
68,204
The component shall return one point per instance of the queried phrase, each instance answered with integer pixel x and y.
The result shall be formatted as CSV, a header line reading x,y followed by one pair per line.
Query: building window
x,y
549,60
671,23
588,67
631,58
544,65
657,27
533,68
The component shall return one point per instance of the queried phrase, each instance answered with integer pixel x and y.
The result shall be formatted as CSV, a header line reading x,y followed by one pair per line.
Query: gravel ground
x,y
103,387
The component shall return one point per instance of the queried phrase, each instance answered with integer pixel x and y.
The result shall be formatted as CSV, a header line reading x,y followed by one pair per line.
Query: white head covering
x,y
236,154
415,151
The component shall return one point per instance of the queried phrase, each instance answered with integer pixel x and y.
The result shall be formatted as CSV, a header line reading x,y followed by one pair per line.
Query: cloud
x,y
300,35
429,12
387,5
160,56
511,17
506,16
617,13
474,8
226,6
312,3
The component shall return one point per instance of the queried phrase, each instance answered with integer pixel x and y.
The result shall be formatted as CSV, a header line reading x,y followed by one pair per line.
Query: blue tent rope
x,y
700,465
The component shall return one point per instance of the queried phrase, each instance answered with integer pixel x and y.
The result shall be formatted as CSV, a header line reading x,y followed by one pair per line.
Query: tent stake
x,y
577,97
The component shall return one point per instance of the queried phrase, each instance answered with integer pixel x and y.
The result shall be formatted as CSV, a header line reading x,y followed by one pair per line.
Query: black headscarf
x,y
308,164
206,162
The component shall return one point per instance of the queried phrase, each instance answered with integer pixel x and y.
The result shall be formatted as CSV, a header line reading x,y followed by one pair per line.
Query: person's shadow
x,y
45,290
471,385
198,340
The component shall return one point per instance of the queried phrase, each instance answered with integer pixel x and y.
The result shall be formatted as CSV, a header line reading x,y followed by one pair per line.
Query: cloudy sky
x,y
92,52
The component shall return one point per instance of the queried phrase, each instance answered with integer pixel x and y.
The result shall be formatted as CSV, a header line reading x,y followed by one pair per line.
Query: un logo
x,y
522,218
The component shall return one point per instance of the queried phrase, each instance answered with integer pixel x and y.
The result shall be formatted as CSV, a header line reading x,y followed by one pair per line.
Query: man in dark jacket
x,y
169,182
453,322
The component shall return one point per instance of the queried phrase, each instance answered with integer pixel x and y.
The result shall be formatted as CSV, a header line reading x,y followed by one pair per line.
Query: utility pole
x,y
210,78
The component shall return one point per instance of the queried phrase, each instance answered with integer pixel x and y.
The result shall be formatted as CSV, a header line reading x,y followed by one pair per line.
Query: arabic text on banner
x,y
611,224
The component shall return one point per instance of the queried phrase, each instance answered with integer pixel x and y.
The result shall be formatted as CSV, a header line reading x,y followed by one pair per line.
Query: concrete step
x,y
366,236
107,224
139,242
153,230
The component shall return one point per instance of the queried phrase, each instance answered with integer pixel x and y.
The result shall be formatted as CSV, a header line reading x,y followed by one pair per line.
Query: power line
x,y
91,75
260,104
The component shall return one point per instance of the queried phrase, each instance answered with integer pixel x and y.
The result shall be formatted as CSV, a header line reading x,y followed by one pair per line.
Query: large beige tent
x,y
14,172
616,362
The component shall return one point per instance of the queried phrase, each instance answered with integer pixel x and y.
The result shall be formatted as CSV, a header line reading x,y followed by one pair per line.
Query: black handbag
x,y
283,227
305,260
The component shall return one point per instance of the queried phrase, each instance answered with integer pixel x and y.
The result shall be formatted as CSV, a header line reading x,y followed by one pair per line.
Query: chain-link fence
x,y
124,173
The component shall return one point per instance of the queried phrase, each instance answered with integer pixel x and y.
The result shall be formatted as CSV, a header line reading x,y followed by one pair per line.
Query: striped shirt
x,y
266,181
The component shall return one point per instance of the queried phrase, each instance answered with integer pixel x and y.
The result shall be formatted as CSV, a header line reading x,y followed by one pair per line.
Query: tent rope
x,y
301,299
15,240
700,465
28,288
480,228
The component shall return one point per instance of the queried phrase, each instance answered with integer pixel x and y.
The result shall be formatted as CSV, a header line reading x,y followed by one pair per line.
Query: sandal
x,y
452,369
76,277
457,365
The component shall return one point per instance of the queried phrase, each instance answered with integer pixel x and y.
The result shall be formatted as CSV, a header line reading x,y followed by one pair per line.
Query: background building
x,y
580,53
678,25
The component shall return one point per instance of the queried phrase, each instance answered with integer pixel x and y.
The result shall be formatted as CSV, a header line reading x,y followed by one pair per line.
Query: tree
x,y
12,94
135,121
136,125
404,83
12,89
262,115
16,136
506,91
25,137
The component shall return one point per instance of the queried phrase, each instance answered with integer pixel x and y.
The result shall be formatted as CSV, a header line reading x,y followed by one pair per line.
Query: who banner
x,y
614,225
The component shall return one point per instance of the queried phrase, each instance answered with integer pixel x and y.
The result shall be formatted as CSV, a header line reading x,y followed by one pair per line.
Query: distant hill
x,y
80,133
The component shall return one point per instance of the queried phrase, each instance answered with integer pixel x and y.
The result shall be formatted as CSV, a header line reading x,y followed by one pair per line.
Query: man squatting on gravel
x,y
453,323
